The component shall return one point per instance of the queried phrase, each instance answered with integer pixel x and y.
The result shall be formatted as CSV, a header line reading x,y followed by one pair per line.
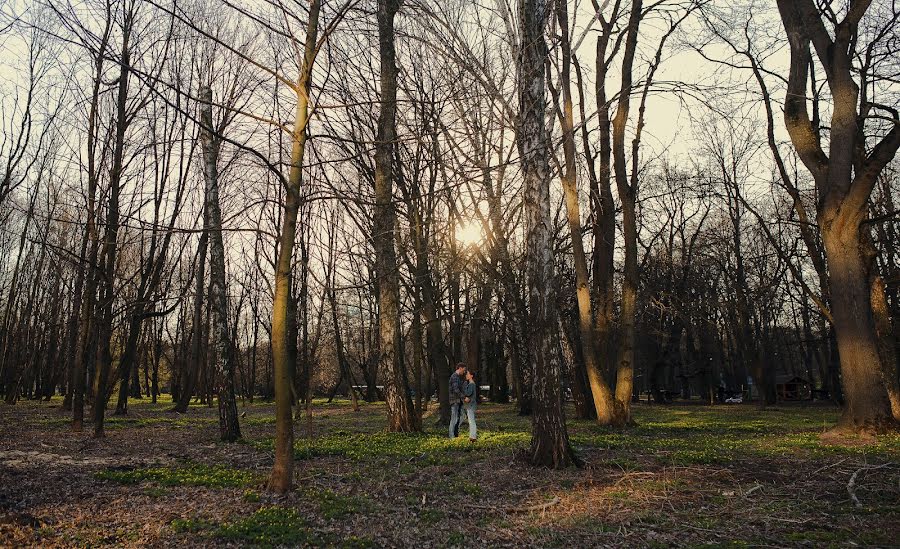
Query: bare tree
x,y
400,409
845,178
549,439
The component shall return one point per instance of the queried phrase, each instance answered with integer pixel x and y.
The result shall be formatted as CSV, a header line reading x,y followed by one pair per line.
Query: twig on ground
x,y
527,509
751,490
835,464
851,484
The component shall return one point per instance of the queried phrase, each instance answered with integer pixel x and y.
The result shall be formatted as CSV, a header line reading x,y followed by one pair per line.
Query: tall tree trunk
x,y
549,439
845,179
127,362
281,479
191,374
628,198
111,235
603,209
600,390
401,414
229,428
867,407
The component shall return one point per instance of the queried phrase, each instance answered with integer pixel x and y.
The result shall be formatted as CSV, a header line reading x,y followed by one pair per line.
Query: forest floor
x,y
722,476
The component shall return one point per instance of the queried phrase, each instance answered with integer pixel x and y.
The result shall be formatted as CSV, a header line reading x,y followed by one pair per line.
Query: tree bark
x,y
627,196
108,276
281,479
845,179
549,439
191,373
229,428
402,416
604,404
603,209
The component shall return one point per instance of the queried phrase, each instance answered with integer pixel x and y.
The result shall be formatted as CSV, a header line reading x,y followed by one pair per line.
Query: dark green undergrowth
x,y
698,435
333,505
193,474
271,526
673,435
430,448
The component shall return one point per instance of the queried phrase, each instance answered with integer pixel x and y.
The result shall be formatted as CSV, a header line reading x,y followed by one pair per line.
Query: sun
x,y
469,233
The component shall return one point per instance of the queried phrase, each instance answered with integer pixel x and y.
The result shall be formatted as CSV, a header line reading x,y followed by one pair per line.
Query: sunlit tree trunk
x,y
628,198
600,390
281,479
845,179
603,210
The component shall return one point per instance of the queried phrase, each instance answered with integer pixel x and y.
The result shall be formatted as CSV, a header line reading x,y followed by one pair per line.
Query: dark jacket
x,y
456,389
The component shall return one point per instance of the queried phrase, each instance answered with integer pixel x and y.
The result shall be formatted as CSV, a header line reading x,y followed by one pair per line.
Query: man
x,y
456,398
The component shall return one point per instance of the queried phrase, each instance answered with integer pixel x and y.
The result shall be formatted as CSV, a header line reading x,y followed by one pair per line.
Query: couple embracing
x,y
463,397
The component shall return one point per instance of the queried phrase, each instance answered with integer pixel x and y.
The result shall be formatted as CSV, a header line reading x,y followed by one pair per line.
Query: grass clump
x,y
191,525
466,488
269,527
431,448
195,474
431,516
333,505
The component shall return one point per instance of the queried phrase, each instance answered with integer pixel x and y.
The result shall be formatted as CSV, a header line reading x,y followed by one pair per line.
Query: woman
x,y
469,403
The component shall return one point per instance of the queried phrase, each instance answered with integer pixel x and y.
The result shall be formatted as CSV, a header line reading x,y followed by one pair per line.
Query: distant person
x,y
456,398
470,402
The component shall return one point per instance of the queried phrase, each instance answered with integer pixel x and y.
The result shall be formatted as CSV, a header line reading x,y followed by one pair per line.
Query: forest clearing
x,y
688,476
449,273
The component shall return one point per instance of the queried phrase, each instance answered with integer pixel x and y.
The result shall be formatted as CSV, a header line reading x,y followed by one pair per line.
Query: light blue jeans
x,y
455,419
470,414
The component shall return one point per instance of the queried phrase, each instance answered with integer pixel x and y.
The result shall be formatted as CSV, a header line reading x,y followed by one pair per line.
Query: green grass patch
x,y
194,474
379,445
191,525
466,488
269,527
333,505
456,539
431,516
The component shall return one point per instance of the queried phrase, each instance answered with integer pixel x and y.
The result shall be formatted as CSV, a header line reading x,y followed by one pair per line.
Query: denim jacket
x,y
469,392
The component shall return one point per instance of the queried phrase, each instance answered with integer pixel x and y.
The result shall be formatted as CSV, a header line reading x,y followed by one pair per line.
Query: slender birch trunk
x,y
229,428
549,439
281,479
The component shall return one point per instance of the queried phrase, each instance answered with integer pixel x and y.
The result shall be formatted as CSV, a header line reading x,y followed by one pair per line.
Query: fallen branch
x,y
528,509
751,490
836,463
851,484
